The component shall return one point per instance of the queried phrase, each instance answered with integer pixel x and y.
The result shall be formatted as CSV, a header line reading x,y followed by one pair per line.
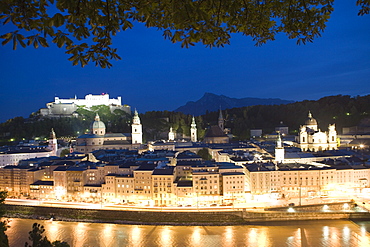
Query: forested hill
x,y
344,111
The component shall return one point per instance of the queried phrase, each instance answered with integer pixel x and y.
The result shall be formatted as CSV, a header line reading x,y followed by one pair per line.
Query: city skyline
x,y
155,74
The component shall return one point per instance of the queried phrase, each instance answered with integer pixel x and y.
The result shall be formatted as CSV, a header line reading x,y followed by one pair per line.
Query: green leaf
x,y
14,42
20,39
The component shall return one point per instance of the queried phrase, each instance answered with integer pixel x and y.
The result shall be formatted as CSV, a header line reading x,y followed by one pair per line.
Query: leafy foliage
x,y
38,240
64,152
3,224
85,28
3,237
204,153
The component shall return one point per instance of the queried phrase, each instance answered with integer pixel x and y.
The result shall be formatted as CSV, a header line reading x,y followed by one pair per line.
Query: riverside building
x,y
155,181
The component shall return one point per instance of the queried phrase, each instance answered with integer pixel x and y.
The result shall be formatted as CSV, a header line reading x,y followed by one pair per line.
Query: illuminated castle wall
x,y
67,107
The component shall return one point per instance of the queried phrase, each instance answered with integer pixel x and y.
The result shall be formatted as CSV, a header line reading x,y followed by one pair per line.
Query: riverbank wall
x,y
214,217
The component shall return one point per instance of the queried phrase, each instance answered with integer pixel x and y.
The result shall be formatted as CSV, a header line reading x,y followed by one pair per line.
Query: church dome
x,y
310,120
97,124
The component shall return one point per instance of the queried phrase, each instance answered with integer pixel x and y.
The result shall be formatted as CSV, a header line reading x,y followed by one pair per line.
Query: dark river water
x,y
312,233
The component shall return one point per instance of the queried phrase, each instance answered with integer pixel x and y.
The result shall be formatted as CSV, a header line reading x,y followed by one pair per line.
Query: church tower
x,y
332,135
279,150
221,122
137,129
53,143
193,130
171,135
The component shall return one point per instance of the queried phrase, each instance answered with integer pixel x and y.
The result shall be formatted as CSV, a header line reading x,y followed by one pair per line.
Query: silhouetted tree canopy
x,y
3,223
85,28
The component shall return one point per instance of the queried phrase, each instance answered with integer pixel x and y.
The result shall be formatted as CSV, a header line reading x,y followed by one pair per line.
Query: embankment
x,y
234,217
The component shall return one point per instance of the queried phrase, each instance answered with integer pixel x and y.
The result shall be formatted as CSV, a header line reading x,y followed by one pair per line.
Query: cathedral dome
x,y
97,127
310,120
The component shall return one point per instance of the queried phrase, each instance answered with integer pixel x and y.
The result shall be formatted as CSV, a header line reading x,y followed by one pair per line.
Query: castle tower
x,y
97,127
53,144
193,131
136,129
171,135
279,150
221,121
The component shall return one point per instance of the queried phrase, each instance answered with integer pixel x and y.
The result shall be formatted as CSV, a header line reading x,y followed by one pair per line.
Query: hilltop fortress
x,y
67,107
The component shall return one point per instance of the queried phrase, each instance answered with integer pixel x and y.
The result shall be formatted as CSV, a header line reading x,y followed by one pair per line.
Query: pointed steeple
x,y
52,134
53,143
221,122
193,131
279,142
136,119
193,124
309,114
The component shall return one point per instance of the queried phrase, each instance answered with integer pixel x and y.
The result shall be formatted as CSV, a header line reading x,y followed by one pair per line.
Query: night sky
x,y
155,74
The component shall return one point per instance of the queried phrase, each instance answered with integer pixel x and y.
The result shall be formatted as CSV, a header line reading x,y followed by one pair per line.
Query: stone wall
x,y
328,207
237,217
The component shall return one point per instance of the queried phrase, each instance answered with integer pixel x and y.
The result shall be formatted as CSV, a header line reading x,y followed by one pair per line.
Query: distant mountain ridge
x,y
213,102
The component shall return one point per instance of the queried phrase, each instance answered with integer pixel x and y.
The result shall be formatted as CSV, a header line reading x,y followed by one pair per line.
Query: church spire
x,y
193,131
53,143
221,122
136,119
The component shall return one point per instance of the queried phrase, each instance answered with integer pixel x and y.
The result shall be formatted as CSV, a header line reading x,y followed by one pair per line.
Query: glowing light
x,y
108,235
79,234
326,232
196,236
291,210
52,230
165,238
251,237
346,235
229,236
136,236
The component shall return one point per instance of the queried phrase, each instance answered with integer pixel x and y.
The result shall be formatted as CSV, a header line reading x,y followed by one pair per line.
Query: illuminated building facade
x,y
99,139
12,155
67,107
311,138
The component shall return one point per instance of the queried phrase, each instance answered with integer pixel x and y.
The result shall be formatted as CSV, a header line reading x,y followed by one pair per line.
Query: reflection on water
x,y
314,233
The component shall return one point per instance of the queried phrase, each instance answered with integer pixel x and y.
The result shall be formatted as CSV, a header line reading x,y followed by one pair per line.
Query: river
x,y
311,233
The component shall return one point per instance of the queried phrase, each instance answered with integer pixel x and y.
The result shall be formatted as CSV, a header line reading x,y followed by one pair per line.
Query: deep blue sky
x,y
155,74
